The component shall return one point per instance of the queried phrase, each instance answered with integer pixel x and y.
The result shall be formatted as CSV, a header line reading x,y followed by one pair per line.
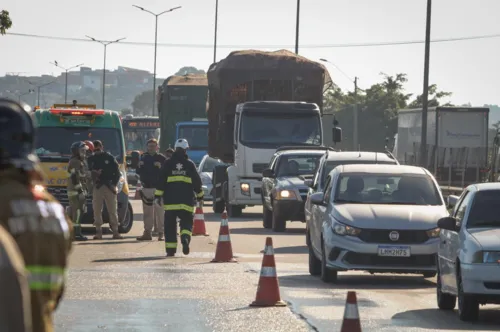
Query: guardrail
x,y
447,190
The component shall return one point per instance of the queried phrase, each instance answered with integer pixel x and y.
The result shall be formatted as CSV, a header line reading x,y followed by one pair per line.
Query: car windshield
x,y
401,189
209,164
136,139
485,210
295,165
197,136
54,143
330,165
279,129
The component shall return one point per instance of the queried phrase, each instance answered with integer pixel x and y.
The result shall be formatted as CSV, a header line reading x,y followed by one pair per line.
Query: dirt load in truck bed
x,y
252,75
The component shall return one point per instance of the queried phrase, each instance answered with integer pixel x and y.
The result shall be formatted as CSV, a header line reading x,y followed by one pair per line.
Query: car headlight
x,y
342,229
120,184
491,257
286,194
433,233
245,189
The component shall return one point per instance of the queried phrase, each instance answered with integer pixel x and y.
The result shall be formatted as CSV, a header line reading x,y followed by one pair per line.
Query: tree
x,y
5,22
143,102
434,98
189,70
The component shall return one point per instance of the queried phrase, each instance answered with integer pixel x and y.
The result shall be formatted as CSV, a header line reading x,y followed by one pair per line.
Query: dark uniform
x,y
15,306
179,181
33,217
77,187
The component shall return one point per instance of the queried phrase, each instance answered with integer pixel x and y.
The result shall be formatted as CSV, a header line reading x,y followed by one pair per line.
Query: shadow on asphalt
x,y
290,250
358,282
129,259
91,242
435,319
263,231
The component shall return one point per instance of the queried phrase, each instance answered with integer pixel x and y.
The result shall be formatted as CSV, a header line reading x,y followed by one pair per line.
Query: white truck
x,y
457,142
257,104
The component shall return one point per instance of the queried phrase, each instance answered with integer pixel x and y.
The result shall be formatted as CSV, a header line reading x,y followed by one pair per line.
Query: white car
x,y
469,251
205,169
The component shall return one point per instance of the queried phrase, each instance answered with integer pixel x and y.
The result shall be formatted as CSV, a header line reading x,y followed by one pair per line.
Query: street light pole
x,y
215,31
156,46
425,95
105,44
38,87
55,63
297,23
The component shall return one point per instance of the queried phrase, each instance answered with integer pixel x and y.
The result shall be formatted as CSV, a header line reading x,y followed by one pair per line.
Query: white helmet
x,y
181,143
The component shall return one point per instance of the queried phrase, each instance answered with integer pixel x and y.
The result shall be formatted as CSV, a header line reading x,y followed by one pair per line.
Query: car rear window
x,y
330,165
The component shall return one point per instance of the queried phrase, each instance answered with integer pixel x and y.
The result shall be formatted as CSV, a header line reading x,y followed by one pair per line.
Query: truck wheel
x,y
279,223
267,217
234,211
127,222
219,206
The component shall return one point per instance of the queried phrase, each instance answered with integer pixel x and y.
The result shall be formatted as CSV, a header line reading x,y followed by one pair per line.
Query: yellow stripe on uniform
x,y
186,232
158,192
200,194
170,207
45,277
171,245
179,178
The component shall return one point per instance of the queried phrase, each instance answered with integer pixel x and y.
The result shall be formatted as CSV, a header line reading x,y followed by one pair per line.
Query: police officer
x,y
149,172
178,183
15,306
32,216
77,187
105,176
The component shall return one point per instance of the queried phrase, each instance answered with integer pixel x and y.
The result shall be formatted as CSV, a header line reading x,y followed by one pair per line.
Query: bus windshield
x,y
136,139
197,136
54,143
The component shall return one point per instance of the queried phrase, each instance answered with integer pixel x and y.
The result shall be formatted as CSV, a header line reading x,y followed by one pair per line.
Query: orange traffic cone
x,y
138,188
351,321
199,222
268,291
224,251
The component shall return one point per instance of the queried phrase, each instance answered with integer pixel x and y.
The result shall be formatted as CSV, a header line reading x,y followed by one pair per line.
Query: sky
x,y
469,69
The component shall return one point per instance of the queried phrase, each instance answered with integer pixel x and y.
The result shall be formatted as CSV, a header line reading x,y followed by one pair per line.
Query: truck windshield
x,y
277,129
54,143
136,139
197,136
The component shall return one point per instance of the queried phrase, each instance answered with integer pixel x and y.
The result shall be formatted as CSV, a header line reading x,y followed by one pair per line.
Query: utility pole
x,y
156,47
215,32
297,25
38,87
355,116
425,95
55,63
105,44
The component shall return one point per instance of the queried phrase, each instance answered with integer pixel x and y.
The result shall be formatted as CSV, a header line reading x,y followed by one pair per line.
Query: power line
x,y
310,46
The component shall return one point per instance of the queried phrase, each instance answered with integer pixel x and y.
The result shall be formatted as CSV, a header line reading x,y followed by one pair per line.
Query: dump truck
x,y
259,101
181,98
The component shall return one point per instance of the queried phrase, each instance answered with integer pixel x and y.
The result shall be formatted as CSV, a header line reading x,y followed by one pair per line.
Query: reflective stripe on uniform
x,y
45,277
170,207
75,222
72,193
179,178
186,232
158,192
171,245
200,194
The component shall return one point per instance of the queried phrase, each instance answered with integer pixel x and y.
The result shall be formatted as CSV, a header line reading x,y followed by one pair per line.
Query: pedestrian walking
x,y
178,185
77,187
105,176
149,169
34,218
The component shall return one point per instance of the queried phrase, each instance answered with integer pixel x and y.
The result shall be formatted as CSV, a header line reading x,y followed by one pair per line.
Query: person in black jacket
x,y
178,185
149,173
105,176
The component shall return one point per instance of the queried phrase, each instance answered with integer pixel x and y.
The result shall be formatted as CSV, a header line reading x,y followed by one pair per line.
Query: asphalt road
x,y
127,285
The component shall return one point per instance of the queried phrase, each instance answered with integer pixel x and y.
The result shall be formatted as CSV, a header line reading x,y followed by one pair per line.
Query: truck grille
x,y
303,194
259,167
382,236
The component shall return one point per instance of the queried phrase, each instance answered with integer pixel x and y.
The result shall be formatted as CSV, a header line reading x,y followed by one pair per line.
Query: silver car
x,y
376,218
205,169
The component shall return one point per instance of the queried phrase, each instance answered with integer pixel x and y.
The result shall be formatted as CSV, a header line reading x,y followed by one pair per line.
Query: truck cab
x,y
196,133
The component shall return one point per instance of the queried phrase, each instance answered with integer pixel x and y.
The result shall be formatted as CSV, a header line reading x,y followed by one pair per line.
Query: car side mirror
x,y
134,159
452,201
318,199
448,223
309,183
268,173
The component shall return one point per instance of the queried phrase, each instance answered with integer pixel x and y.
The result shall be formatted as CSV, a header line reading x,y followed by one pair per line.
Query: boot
x,y
185,239
160,237
170,253
98,233
78,234
117,236
146,236
154,233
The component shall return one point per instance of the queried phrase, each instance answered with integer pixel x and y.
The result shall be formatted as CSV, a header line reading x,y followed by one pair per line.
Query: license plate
x,y
394,251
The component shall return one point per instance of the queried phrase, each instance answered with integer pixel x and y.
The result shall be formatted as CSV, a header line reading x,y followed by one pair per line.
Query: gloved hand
x,y
158,200
199,199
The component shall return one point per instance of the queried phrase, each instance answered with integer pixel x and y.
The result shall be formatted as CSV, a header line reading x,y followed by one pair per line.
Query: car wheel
x,y
218,207
327,275
127,222
279,223
314,262
234,211
444,301
468,307
429,274
267,217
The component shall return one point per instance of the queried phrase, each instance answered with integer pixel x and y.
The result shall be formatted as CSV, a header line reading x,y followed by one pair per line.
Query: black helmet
x,y
75,148
17,135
